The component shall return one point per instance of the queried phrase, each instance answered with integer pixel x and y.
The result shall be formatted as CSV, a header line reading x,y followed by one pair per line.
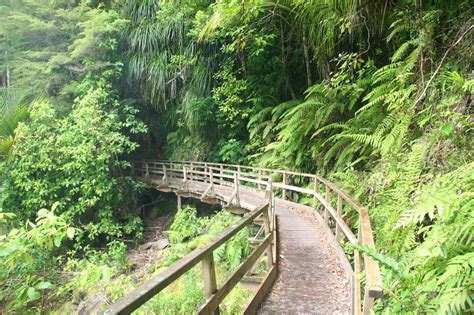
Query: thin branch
x,y
423,94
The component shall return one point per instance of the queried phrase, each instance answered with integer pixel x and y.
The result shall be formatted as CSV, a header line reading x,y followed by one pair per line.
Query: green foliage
x,y
98,272
74,160
185,225
436,275
188,228
375,95
49,45
187,294
230,151
28,264
8,123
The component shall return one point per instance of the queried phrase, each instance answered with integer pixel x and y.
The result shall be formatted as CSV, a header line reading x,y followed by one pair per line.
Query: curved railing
x,y
333,203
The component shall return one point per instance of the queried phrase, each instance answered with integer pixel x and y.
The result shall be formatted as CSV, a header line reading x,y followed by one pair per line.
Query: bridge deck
x,y
314,277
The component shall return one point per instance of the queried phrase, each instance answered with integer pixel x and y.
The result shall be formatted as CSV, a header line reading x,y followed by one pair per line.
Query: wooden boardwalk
x,y
312,278
306,272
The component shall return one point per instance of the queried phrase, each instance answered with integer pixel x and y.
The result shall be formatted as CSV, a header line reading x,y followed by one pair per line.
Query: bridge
x,y
301,219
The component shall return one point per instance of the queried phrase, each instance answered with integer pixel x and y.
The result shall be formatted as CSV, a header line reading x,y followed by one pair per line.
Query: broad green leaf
x,y
57,241
42,213
33,294
70,232
447,130
44,285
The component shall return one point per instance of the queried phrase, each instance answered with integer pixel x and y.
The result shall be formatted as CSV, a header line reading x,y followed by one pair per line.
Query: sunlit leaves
x,y
68,163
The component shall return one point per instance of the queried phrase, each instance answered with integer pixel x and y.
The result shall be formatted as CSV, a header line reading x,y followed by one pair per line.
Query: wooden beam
x,y
343,225
257,298
268,231
213,302
294,188
327,196
339,215
209,276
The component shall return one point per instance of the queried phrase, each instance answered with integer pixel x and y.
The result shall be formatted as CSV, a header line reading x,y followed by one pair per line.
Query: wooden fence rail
x,y
214,294
335,204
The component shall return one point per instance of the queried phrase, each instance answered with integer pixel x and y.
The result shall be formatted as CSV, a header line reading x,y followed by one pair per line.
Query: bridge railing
x,y
214,294
336,207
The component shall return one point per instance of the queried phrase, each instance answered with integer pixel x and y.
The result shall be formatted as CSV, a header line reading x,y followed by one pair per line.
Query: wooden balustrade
x,y
238,175
214,294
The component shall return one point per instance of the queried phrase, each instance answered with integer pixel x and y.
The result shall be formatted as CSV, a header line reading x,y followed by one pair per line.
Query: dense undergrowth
x,y
374,95
55,283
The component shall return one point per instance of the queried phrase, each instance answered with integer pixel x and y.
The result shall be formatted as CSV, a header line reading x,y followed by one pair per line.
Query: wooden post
x,y
271,199
209,274
328,200
267,215
272,212
185,175
178,202
205,172
339,214
222,174
147,174
316,191
191,170
237,190
259,178
285,179
368,302
164,180
268,230
357,269
238,174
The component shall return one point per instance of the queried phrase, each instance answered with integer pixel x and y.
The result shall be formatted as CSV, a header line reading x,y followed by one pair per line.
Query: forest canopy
x,y
374,95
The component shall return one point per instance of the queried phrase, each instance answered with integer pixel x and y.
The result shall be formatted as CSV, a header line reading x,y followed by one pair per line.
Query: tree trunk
x,y
309,78
284,63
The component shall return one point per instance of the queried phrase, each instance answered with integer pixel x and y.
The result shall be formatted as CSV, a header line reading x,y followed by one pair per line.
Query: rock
x,y
92,305
159,244
162,243
146,246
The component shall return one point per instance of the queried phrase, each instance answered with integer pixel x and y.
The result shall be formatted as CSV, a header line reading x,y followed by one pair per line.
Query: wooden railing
x,y
214,294
333,203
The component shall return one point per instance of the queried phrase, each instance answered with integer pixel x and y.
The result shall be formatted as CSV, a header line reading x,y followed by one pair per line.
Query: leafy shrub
x,y
28,262
96,272
185,225
75,160
185,295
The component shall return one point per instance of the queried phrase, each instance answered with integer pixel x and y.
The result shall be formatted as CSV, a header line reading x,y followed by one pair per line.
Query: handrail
x,y
334,201
214,295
